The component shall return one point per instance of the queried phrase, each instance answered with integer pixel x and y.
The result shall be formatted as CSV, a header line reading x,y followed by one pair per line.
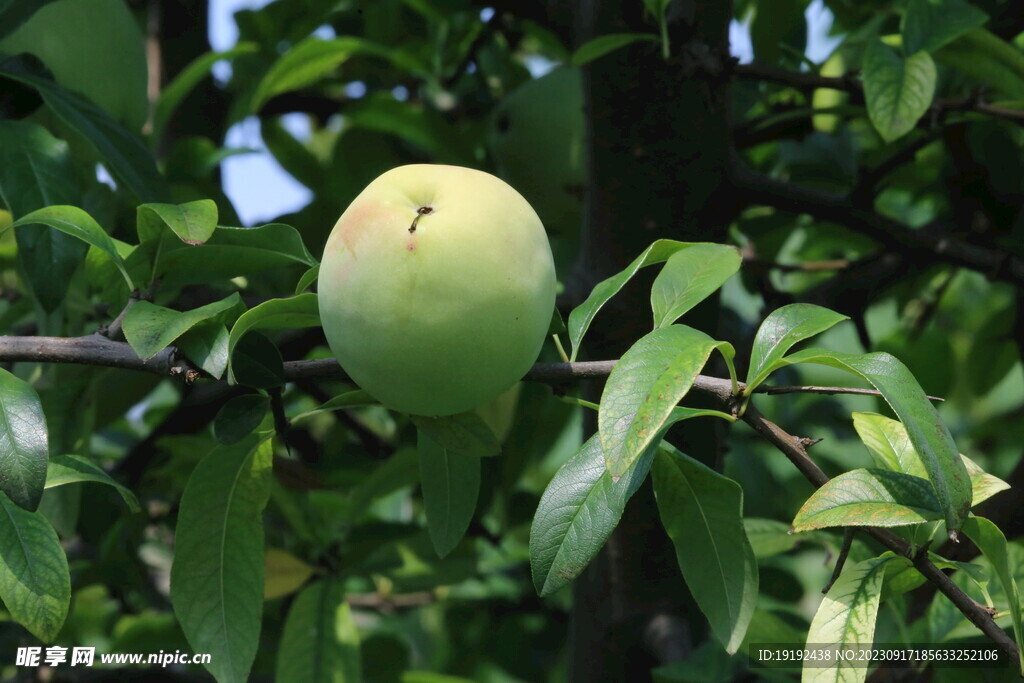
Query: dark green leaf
x,y
150,328
450,483
14,13
464,433
77,223
898,91
36,171
869,497
217,575
780,331
175,92
927,432
231,252
294,312
239,417
124,154
579,510
308,62
320,642
206,345
602,45
581,316
35,583
779,30
930,24
256,362
23,442
702,512
689,277
193,222
644,388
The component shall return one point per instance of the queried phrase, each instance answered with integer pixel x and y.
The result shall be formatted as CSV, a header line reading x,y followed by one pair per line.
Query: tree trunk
x,y
658,149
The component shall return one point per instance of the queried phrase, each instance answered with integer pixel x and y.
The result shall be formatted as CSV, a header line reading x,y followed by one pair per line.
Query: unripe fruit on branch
x,y
436,288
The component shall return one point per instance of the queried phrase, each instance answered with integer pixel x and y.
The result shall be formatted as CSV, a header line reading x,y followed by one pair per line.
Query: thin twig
x,y
850,83
927,241
844,552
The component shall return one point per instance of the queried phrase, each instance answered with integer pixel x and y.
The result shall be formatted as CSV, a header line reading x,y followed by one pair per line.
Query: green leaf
x,y
256,362
193,222
73,221
888,443
320,642
992,543
780,331
239,417
898,91
35,583
294,156
580,508
349,399
308,62
36,171
702,512
450,483
128,160
24,447
581,316
150,328
689,277
769,537
930,24
192,75
846,618
890,446
644,388
14,13
869,497
72,469
294,312
602,45
217,575
206,345
231,252
464,433
927,432
988,59
307,279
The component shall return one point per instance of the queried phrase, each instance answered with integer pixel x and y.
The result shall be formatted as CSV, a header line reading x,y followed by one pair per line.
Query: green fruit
x,y
536,137
436,288
93,47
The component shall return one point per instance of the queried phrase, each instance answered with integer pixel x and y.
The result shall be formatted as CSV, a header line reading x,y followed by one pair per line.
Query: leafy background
x,y
824,167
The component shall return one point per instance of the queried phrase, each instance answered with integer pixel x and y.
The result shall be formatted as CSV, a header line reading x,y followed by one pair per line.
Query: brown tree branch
x,y
98,350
